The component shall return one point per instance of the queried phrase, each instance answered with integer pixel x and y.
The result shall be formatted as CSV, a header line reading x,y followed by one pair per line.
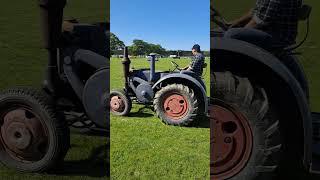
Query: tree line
x,y
140,47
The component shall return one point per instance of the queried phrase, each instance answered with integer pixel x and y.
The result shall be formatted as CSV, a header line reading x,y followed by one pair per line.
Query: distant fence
x,y
163,57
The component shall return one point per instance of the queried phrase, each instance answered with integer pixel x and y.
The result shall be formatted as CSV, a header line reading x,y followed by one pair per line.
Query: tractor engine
x,y
86,66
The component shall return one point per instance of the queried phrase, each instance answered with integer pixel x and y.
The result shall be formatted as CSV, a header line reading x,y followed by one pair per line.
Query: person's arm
x,y
242,21
264,18
189,66
251,24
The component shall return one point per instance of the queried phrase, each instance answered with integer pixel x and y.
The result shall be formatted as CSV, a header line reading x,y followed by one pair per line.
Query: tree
x,y
156,49
115,44
140,47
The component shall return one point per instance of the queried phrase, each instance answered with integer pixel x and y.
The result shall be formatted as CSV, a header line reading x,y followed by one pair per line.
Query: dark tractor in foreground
x,y
178,98
262,125
34,123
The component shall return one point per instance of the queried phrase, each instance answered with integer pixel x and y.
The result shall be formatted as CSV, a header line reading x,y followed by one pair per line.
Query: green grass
x,y
142,147
23,62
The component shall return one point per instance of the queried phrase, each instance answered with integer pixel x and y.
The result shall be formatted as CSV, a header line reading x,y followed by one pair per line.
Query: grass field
x,y
23,63
145,148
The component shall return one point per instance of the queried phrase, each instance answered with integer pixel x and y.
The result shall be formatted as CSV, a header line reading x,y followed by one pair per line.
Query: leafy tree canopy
x,y
115,44
140,47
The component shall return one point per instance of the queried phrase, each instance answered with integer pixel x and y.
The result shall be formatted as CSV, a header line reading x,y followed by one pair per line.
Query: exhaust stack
x,y
51,15
152,66
126,67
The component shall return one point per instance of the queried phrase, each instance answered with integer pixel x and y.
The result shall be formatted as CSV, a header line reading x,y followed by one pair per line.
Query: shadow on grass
x,y
90,132
146,111
203,123
142,112
97,165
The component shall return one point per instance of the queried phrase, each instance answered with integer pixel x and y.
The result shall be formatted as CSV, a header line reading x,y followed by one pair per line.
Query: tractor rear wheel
x,y
33,137
246,142
176,104
120,103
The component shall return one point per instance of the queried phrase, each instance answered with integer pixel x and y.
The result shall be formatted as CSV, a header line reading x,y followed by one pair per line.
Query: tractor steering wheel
x,y
176,66
218,19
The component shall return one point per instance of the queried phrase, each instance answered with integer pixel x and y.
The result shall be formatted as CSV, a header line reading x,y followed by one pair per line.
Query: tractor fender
x,y
275,67
187,80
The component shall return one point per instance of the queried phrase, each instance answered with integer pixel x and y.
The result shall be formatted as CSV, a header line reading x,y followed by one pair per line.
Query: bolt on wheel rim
x,y
23,136
231,141
175,106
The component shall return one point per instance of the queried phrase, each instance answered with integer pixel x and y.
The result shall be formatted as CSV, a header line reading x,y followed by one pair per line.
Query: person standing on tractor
x,y
197,62
270,24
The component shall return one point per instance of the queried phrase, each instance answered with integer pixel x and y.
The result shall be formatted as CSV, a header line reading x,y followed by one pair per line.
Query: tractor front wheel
x,y
33,137
120,103
176,104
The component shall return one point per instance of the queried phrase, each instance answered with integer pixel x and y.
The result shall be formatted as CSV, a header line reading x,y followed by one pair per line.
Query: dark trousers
x,y
256,37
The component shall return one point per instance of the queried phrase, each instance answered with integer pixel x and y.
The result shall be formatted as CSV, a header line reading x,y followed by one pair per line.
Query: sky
x,y
174,24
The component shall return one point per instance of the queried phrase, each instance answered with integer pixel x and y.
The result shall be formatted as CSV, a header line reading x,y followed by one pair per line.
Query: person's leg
x,y
193,74
188,72
250,35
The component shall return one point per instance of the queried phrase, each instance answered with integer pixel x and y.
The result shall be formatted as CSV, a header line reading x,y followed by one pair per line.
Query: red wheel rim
x,y
23,135
117,104
175,106
231,141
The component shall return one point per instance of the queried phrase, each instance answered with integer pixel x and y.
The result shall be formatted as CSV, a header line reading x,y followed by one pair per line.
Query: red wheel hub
x,y
231,142
117,104
23,136
175,106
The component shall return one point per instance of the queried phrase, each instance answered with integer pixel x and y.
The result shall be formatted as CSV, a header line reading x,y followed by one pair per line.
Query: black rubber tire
x,y
127,102
189,95
252,102
58,131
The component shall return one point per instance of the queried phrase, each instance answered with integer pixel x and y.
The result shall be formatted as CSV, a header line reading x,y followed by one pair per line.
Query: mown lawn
x,y
22,63
142,147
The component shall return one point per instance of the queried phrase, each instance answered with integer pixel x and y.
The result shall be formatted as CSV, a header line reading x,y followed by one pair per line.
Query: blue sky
x,y
174,24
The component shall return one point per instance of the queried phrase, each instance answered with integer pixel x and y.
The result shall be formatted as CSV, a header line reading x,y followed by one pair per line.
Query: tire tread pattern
x,y
55,123
253,102
188,93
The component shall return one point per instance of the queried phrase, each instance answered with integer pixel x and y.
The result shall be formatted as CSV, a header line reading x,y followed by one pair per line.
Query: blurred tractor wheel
x,y
33,137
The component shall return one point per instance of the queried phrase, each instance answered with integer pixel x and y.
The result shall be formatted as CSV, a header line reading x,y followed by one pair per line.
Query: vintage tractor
x,y
261,122
178,97
34,132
